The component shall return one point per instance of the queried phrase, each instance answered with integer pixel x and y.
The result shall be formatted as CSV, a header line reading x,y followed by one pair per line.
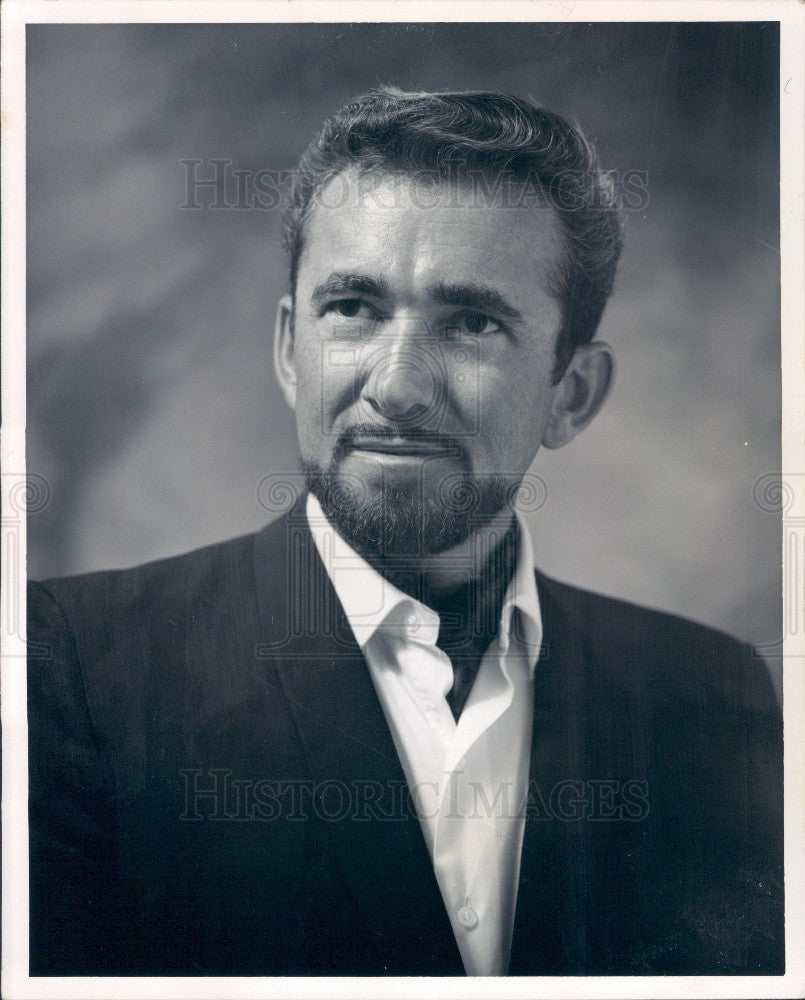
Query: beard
x,y
404,519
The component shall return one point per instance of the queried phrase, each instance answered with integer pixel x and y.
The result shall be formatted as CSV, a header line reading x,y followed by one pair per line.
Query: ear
x,y
284,355
581,392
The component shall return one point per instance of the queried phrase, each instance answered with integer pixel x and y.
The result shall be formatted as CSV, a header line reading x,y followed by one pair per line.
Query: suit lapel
x,y
352,758
549,930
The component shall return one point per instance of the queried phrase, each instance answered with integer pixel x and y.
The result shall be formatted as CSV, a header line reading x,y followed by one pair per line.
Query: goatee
x,y
406,521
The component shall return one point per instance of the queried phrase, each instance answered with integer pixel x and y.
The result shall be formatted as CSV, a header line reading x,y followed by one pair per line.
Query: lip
x,y
400,447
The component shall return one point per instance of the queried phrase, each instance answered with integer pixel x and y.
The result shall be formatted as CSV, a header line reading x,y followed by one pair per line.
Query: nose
x,y
403,376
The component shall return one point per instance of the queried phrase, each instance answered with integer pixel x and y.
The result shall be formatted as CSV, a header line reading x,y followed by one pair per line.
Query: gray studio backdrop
x,y
152,409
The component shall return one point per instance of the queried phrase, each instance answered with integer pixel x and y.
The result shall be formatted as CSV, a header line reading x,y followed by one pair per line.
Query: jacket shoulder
x,y
184,573
129,636
697,661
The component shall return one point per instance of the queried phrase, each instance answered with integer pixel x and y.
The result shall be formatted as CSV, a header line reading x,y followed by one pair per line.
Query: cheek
x,y
308,407
518,387
513,406
325,385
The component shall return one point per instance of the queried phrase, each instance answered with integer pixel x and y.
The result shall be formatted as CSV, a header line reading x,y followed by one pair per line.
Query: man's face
x,y
420,356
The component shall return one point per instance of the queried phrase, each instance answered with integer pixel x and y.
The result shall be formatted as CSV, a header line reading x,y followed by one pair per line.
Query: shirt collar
x,y
521,612
370,601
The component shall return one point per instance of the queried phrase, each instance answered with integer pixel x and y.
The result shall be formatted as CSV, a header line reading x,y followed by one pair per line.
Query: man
x,y
369,739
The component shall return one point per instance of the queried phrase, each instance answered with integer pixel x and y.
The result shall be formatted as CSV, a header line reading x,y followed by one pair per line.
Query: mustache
x,y
350,436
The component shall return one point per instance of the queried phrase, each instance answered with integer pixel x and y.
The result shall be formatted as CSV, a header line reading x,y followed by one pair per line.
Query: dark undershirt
x,y
470,616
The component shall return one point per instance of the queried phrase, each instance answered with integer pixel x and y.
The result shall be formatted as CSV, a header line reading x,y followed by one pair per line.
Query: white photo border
x,y
16,14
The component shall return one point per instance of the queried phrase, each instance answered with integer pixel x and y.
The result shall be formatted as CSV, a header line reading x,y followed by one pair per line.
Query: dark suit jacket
x,y
214,789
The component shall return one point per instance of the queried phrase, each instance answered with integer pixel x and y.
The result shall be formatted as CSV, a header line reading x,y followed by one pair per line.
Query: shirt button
x,y
412,621
467,917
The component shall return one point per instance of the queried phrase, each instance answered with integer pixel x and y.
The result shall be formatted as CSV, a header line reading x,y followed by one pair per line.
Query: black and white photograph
x,y
402,499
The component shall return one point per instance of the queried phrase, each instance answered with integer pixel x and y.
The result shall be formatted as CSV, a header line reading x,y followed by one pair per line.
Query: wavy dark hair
x,y
470,137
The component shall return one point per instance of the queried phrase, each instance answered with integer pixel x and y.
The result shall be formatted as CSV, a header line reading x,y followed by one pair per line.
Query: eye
x,y
476,324
351,309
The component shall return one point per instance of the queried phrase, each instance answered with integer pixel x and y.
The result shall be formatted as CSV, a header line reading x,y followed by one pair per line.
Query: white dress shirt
x,y
469,779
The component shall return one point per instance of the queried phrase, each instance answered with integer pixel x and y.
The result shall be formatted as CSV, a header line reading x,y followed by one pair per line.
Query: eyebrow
x,y
468,295
350,283
477,297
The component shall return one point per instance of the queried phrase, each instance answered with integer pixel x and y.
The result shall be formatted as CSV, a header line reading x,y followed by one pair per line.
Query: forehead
x,y
418,230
